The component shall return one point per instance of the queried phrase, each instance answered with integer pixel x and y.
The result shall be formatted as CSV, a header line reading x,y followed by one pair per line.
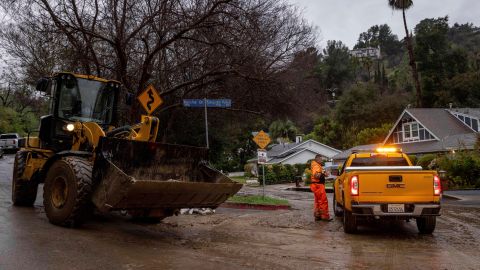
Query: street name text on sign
x,y
211,103
262,139
150,99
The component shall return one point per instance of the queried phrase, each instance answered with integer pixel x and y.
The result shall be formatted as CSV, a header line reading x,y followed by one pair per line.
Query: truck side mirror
x,y
42,85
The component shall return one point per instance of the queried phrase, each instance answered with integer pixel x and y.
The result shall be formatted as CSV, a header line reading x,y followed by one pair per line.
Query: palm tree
x,y
283,131
404,5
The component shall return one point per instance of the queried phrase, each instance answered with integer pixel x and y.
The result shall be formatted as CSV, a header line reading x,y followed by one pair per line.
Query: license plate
x,y
396,208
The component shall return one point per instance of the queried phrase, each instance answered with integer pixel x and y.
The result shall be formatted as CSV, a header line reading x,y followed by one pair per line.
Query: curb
x,y
446,196
254,206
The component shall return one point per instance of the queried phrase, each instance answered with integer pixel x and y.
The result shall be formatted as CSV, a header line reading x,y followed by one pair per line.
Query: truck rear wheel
x,y
67,191
349,222
426,225
337,208
24,191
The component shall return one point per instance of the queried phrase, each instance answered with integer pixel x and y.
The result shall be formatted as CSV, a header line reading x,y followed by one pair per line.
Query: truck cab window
x,y
379,161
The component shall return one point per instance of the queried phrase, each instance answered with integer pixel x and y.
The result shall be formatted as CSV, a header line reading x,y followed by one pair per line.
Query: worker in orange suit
x,y
318,189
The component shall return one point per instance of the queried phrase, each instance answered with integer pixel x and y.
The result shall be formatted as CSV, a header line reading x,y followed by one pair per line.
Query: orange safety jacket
x,y
316,168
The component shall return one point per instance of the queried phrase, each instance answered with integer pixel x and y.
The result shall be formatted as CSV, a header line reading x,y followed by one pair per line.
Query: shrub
x,y
425,160
288,173
308,174
277,174
463,169
413,159
270,177
277,170
300,169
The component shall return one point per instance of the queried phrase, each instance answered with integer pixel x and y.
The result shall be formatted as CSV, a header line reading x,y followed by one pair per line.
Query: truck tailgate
x,y
395,186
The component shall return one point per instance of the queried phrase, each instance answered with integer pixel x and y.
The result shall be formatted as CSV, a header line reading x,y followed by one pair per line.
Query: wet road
x,y
233,239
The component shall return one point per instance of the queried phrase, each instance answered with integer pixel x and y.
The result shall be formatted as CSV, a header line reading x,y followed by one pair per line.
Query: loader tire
x,y
67,192
24,191
426,225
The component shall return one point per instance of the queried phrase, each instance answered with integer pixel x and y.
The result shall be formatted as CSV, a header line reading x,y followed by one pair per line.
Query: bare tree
x,y
186,48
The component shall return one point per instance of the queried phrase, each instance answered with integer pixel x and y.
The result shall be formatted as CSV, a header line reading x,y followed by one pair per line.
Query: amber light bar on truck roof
x,y
388,150
378,150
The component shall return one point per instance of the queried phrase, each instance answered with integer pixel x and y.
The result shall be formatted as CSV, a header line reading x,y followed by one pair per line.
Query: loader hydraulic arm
x,y
90,132
87,132
146,130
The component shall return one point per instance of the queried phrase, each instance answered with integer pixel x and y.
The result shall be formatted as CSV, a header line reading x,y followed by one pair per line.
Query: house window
x,y
471,122
410,132
468,121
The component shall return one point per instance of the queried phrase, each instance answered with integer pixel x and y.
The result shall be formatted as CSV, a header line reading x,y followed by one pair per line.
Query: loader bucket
x,y
134,175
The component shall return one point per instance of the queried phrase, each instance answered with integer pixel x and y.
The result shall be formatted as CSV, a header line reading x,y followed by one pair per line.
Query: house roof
x,y
450,133
440,122
282,150
454,142
474,112
292,154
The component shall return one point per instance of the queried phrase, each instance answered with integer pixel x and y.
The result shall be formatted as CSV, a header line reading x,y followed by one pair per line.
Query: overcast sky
x,y
345,19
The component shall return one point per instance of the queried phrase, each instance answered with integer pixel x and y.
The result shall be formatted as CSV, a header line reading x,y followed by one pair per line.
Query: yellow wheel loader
x,y
85,162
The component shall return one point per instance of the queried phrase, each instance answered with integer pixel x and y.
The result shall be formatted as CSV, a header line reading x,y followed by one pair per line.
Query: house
x,y
298,152
368,52
421,131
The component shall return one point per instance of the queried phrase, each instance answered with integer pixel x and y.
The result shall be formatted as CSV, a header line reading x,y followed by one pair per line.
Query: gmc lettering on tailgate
x,y
395,185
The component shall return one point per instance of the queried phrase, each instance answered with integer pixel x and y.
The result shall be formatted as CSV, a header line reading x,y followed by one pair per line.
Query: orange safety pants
x,y
320,201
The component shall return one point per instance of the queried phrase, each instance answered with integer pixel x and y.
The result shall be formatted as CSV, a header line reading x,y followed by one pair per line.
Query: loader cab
x,y
75,98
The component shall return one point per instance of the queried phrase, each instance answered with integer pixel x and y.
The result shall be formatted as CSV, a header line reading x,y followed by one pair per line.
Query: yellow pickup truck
x,y
383,184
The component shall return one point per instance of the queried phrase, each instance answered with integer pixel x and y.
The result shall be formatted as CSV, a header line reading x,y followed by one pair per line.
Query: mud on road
x,y
233,239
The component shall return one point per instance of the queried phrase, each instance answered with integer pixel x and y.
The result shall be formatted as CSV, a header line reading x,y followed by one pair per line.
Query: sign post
x,y
262,140
207,103
206,123
262,159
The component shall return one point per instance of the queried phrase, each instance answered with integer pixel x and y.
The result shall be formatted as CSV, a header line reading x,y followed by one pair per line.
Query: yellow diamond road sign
x,y
150,99
262,139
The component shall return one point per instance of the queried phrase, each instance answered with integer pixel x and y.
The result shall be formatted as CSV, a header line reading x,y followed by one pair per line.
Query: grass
x,y
239,179
257,199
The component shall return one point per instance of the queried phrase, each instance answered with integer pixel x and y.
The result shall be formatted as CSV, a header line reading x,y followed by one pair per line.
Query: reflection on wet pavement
x,y
234,239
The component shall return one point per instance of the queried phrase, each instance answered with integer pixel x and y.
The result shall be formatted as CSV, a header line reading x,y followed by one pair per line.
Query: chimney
x,y
298,139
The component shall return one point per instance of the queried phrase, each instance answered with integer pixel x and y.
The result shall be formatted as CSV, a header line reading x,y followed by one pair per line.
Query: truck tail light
x,y
437,186
354,185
